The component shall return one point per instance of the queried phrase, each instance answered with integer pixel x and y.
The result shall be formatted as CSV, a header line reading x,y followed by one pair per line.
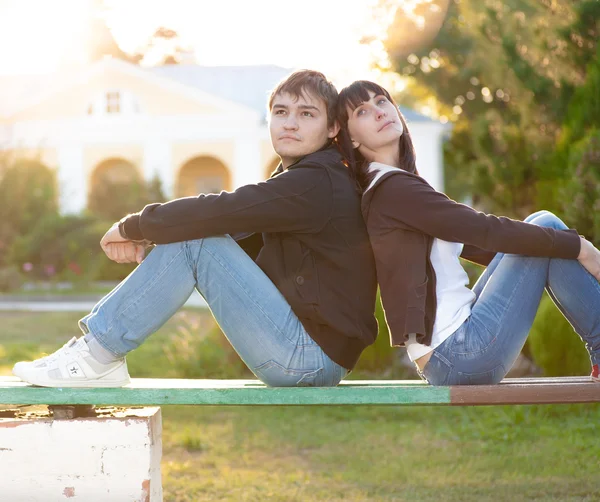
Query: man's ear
x,y
333,130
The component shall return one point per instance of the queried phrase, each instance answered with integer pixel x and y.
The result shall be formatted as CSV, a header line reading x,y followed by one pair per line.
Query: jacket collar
x,y
325,147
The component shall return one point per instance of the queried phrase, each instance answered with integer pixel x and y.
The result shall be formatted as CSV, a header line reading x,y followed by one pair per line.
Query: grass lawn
x,y
542,453
75,290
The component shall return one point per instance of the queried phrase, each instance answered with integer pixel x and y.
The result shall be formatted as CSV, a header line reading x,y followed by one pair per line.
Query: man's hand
x,y
122,250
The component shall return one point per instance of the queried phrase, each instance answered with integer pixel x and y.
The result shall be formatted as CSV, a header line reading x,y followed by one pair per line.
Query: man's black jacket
x,y
315,245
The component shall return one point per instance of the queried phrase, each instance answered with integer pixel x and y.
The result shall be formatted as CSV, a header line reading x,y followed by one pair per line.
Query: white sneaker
x,y
72,366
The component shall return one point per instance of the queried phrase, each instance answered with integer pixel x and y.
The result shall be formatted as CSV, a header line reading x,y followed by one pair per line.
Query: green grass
x,y
541,453
76,290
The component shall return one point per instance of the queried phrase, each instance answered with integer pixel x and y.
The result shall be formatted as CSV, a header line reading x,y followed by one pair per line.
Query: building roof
x,y
246,85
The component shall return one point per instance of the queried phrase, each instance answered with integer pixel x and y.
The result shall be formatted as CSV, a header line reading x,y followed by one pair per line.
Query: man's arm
x,y
298,200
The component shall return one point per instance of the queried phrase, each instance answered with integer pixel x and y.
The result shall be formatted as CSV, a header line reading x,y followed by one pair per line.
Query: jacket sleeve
x,y
297,200
401,259
477,255
406,200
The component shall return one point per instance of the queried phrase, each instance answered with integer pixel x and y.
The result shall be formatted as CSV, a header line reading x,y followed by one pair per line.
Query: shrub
x,y
111,200
581,193
66,247
554,345
200,350
28,192
10,279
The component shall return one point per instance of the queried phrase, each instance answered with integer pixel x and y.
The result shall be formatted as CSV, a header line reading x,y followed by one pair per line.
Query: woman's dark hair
x,y
351,97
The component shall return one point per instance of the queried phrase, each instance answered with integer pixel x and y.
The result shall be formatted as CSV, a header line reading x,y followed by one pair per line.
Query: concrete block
x,y
113,455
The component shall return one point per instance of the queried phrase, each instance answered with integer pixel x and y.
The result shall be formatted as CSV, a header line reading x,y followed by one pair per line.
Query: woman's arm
x,y
477,255
403,200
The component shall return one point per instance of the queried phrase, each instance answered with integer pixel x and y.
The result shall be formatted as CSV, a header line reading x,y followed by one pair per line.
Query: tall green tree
x,y
578,153
503,72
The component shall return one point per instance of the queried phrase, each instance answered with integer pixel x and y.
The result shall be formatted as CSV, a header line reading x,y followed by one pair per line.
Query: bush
x,y
554,345
28,192
200,350
111,200
581,193
68,248
10,279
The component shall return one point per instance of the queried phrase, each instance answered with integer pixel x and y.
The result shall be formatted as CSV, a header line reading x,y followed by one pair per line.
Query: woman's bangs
x,y
358,92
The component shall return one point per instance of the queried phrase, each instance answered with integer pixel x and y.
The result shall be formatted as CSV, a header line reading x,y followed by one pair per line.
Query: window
x,y
113,102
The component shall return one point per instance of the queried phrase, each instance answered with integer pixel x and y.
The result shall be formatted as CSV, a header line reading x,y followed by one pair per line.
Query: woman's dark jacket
x,y
404,213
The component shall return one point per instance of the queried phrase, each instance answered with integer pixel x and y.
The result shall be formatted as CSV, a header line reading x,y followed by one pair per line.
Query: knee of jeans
x,y
546,219
171,245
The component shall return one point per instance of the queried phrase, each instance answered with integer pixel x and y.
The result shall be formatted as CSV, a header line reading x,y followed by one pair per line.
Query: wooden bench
x,y
159,392
115,453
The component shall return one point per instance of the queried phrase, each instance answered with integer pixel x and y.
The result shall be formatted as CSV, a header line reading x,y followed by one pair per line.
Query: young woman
x,y
456,335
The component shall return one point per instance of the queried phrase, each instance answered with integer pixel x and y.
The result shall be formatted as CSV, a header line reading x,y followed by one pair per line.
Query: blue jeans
x,y
253,314
508,295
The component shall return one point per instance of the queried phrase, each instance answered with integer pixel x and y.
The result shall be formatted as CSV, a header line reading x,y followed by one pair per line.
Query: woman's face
x,y
375,126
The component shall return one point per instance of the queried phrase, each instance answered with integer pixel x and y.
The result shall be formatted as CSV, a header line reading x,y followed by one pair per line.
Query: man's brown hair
x,y
313,82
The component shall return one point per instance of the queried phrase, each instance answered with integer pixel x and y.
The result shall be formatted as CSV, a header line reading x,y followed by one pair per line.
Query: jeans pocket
x,y
471,338
490,377
275,375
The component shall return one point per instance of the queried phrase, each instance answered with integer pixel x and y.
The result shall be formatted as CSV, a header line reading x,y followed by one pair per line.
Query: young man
x,y
299,315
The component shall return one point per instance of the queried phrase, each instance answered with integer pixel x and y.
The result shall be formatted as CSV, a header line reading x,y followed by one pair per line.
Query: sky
x,y
318,34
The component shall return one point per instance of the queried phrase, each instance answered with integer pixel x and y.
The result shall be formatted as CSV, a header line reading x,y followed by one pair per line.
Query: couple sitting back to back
x,y
289,266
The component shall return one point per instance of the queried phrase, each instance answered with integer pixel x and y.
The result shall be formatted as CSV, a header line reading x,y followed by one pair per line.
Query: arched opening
x,y
115,189
202,175
271,167
114,171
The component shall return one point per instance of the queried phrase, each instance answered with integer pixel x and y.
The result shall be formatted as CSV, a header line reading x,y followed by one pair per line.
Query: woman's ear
x,y
355,144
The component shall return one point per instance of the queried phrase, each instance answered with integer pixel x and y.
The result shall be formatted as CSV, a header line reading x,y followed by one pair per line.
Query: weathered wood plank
x,y
528,391
225,392
147,391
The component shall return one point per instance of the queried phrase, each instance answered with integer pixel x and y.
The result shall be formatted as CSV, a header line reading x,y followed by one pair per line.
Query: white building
x,y
200,129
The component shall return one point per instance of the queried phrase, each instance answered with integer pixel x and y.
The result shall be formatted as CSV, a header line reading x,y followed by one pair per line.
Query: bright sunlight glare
x,y
325,35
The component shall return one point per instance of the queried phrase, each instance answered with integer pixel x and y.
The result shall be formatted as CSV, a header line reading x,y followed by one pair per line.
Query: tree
x,y
503,72
578,153
164,47
101,42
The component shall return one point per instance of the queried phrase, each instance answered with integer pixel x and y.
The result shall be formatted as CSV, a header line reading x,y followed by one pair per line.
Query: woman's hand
x,y
589,257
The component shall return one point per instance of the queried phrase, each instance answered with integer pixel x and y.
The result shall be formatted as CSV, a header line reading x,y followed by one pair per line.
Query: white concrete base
x,y
97,459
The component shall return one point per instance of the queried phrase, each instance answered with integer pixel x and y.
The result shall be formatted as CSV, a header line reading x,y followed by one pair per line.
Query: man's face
x,y
298,126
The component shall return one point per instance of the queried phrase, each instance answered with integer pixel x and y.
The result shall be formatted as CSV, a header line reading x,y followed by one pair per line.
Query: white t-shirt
x,y
454,298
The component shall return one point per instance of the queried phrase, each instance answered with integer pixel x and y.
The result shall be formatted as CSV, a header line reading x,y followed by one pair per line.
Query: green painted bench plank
x,y
157,392
144,391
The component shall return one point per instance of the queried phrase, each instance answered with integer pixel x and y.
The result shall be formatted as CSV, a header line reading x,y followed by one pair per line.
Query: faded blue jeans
x,y
508,295
252,313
